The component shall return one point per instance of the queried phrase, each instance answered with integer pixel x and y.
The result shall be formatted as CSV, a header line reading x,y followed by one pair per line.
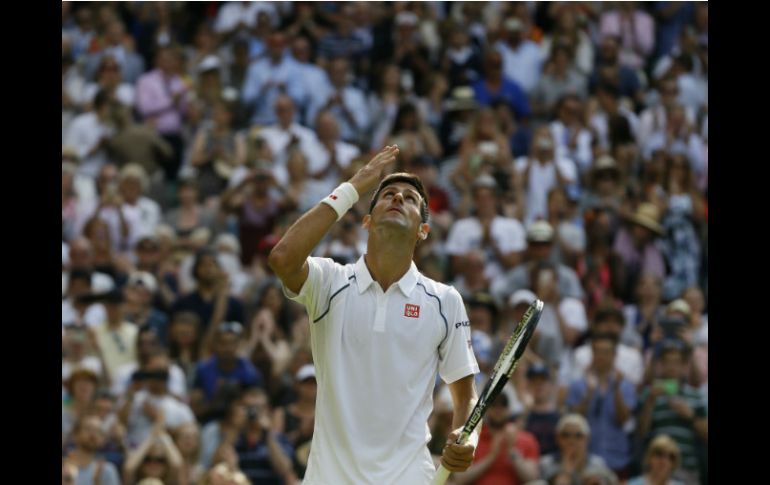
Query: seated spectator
x,y
500,238
81,390
187,441
661,460
115,337
110,80
637,244
157,457
211,296
222,372
560,78
139,308
148,345
540,237
296,420
628,360
89,437
506,453
567,464
217,151
668,405
606,399
537,173
148,404
225,429
264,455
542,415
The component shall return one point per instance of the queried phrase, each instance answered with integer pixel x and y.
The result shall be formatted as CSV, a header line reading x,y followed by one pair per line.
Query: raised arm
x,y
288,259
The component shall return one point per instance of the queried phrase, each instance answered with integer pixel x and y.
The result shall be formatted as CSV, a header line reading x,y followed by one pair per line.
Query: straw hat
x,y
647,215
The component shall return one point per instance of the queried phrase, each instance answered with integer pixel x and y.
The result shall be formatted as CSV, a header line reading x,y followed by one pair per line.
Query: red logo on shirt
x,y
412,311
332,197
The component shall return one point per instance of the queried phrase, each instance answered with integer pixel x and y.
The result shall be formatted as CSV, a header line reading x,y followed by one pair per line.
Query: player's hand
x,y
369,176
457,458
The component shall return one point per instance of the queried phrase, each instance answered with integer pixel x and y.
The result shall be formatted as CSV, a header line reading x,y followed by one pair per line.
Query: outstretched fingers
x,y
385,156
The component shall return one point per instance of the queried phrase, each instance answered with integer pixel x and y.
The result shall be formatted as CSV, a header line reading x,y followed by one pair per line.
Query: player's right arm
x,y
288,259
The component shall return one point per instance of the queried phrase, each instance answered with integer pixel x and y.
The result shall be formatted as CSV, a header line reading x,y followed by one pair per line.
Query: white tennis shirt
x,y
376,355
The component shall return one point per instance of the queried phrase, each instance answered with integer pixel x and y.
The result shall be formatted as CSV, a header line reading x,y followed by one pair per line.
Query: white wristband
x,y
342,199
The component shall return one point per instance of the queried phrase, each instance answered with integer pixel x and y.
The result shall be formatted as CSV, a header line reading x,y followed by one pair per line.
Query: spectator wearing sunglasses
x,y
660,462
566,465
157,457
221,373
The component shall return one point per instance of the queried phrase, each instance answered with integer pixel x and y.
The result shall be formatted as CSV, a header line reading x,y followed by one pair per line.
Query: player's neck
x,y
387,263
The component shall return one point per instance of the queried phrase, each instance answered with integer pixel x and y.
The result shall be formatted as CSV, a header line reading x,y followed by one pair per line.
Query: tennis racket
x,y
502,371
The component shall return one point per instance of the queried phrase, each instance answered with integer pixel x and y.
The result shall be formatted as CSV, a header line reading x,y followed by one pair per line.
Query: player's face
x,y
398,205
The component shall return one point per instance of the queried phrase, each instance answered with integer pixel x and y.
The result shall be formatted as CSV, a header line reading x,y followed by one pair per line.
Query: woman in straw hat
x,y
637,244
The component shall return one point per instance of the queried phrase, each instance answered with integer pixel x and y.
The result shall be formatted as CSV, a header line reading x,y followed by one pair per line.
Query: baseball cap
x,y
540,232
538,369
305,372
143,278
573,312
482,299
679,305
485,181
522,296
209,63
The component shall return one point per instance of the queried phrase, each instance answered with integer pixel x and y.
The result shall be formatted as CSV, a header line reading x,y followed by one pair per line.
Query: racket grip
x,y
441,476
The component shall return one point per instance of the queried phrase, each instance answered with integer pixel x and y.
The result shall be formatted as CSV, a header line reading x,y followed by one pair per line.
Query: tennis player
x,y
380,331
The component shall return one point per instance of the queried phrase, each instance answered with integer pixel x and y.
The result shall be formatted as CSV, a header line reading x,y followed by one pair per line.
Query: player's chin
x,y
393,218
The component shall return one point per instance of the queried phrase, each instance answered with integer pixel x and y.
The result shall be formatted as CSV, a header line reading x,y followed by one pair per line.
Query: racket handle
x,y
441,476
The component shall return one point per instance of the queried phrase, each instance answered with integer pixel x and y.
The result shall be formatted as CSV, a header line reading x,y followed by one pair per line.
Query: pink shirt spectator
x,y
637,32
155,99
648,260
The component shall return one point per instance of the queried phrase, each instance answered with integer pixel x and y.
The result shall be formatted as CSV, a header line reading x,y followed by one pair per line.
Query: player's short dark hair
x,y
410,179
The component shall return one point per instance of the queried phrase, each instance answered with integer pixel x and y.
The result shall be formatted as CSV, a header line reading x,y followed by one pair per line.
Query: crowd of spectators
x,y
564,147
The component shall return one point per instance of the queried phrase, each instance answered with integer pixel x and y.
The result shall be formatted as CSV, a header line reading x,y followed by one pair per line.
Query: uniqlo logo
x,y
412,311
333,197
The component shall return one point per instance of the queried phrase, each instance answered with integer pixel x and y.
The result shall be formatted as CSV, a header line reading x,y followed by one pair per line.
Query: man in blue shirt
x,y
223,372
606,400
495,87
